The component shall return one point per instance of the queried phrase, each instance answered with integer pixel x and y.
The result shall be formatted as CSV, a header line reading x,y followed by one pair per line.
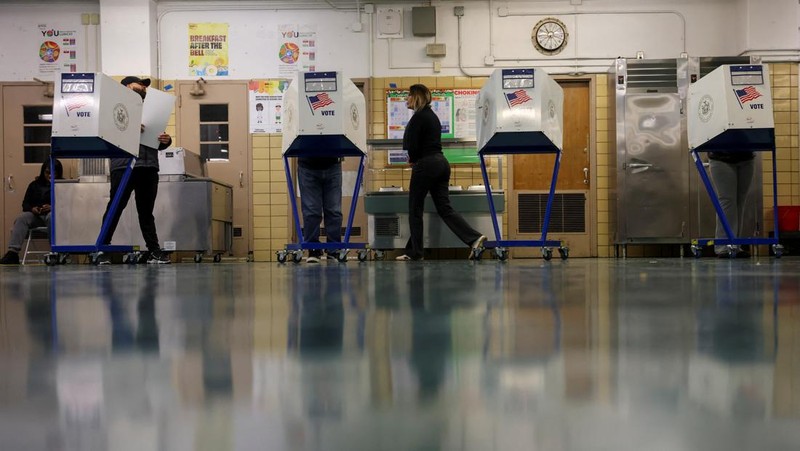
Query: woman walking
x,y
430,172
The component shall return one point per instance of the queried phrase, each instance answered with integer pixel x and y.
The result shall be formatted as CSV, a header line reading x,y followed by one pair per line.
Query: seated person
x,y
35,211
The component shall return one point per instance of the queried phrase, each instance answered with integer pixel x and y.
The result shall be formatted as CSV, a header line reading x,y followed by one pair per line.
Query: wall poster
x,y
208,49
58,49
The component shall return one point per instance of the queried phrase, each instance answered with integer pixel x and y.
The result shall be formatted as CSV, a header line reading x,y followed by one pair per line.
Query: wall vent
x,y
387,226
567,215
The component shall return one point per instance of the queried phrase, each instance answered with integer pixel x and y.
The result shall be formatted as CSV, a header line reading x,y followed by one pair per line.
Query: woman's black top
x,y
423,135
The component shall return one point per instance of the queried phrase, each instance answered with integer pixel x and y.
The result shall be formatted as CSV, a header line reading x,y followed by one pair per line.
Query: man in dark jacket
x,y
320,182
35,211
143,180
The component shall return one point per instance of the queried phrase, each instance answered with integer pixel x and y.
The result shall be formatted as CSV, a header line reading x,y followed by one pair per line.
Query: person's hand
x,y
164,138
44,209
36,210
142,130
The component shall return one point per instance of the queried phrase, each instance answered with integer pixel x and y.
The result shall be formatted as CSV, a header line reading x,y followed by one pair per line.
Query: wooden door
x,y
532,174
26,145
214,124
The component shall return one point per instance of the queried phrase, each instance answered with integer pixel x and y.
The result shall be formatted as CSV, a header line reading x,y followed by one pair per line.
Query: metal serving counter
x,y
387,206
387,215
192,214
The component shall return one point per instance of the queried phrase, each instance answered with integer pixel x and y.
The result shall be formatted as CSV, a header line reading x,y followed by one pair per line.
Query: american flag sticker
x,y
318,101
517,97
747,94
75,102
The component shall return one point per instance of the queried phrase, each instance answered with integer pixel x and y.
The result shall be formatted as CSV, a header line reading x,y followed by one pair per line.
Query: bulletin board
x,y
454,107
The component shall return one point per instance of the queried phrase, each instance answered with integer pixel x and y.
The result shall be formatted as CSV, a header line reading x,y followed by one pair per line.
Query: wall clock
x,y
549,36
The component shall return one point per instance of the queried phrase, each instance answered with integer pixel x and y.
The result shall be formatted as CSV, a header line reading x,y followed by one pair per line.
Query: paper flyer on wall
x,y
57,49
266,104
208,49
398,114
465,113
297,49
157,108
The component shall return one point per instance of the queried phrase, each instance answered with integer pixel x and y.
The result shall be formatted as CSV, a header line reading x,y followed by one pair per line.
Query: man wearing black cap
x,y
143,180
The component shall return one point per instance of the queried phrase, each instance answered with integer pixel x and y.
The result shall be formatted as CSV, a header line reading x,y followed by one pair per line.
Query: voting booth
x,y
521,111
730,110
94,116
324,115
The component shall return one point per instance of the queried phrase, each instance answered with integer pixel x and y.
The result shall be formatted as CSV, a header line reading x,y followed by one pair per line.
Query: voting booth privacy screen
x,y
519,111
94,115
324,115
730,109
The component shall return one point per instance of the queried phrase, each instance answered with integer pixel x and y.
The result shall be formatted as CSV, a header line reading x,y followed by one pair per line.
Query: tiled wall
x,y
784,83
271,211
783,79
603,104
272,225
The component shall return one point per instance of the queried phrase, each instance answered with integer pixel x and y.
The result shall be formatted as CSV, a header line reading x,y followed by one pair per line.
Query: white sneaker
x,y
479,242
312,259
406,258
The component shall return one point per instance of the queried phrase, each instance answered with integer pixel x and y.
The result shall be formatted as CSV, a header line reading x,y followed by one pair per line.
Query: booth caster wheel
x,y
51,259
362,256
501,253
696,252
198,257
563,251
94,258
297,256
132,258
380,255
547,253
281,256
777,249
342,255
63,259
217,258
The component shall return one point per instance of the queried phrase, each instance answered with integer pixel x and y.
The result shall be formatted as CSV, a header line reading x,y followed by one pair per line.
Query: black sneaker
x,y
158,258
103,259
11,258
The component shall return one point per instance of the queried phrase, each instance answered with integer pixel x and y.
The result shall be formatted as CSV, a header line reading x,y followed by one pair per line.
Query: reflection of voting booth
x,y
93,117
324,116
730,110
520,111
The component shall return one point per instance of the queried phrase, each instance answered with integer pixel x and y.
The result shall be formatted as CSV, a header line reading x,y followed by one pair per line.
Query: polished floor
x,y
597,354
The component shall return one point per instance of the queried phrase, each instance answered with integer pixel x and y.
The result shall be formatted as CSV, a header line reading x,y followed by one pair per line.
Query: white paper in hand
x,y
157,108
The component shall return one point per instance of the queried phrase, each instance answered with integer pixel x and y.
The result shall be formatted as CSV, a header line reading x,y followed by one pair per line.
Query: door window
x,y
214,143
36,122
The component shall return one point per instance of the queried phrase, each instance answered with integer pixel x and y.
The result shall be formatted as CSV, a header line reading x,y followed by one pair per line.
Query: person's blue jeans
x,y
321,196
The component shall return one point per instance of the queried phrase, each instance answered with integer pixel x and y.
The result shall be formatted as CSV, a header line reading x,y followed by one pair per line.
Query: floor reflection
x,y
584,354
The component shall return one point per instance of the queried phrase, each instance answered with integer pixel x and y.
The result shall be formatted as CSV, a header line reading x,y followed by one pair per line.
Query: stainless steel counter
x,y
192,214
387,216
